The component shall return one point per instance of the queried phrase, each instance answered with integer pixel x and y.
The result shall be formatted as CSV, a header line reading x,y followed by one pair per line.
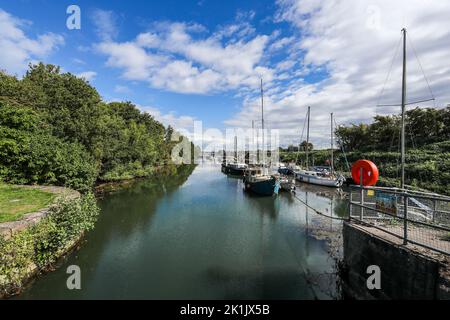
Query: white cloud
x,y
87,75
17,49
178,122
105,23
170,58
355,41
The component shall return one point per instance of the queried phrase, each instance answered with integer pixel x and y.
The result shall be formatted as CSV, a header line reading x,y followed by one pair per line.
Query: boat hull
x,y
284,171
332,183
263,188
233,171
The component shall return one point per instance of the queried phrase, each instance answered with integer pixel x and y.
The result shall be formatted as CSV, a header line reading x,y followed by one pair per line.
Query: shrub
x,y
43,243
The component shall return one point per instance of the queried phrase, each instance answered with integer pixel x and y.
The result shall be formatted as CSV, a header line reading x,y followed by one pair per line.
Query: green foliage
x,y
426,168
32,156
427,157
42,244
54,129
423,127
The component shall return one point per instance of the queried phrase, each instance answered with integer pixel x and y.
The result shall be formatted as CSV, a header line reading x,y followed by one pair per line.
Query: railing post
x,y
351,204
434,210
361,215
405,220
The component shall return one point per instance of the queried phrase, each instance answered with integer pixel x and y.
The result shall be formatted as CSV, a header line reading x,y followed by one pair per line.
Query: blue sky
x,y
202,60
130,18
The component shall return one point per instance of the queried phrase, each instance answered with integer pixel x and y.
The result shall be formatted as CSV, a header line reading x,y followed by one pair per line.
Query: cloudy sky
x,y
203,60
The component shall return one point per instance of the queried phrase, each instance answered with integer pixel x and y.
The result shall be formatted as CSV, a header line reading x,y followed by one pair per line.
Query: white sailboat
x,y
324,177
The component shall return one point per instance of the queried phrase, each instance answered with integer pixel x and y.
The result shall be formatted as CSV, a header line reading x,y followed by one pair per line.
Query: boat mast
x,y
253,142
332,146
262,119
307,141
403,109
235,150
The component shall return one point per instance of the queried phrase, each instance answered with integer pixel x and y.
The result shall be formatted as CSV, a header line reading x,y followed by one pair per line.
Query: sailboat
x,y
235,168
257,179
320,176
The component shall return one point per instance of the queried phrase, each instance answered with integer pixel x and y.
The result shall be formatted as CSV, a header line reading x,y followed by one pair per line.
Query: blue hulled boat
x,y
257,182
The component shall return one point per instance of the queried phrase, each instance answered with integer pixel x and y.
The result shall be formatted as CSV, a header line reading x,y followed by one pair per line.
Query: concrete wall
x,y
405,274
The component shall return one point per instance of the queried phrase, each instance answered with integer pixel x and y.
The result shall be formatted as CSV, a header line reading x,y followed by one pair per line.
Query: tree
x,y
304,146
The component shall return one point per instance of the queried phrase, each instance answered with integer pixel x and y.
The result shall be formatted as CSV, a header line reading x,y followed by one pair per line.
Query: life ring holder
x,y
370,173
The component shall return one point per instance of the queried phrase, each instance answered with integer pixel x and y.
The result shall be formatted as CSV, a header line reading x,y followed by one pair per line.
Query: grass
x,y
17,201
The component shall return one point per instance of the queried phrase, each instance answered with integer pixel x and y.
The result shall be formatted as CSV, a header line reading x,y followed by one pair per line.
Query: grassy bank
x,y
37,248
17,201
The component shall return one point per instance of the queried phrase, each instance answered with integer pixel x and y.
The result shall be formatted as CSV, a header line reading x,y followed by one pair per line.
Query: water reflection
x,y
200,236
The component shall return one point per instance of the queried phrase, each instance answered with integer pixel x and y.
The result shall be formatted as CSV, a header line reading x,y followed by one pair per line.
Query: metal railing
x,y
418,218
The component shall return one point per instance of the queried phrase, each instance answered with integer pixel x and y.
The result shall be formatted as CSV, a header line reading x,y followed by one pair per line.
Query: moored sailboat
x,y
257,179
235,168
320,177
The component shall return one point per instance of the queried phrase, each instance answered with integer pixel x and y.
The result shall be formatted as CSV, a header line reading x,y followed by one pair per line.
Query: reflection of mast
x,y
307,227
331,213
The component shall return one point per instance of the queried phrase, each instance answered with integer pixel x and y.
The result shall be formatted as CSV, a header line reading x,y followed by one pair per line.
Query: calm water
x,y
200,236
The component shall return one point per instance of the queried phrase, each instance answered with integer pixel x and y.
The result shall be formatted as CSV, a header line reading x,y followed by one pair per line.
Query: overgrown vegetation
x,y
55,129
17,201
42,244
428,149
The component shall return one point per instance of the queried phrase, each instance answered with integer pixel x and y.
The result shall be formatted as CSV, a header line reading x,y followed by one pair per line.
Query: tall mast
x,y
262,119
257,146
253,143
332,146
235,150
403,108
307,141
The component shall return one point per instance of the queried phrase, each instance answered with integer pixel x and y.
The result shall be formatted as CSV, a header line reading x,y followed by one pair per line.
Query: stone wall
x,y
405,273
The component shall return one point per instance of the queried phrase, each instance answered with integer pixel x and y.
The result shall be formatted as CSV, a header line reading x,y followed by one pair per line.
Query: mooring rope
x,y
317,211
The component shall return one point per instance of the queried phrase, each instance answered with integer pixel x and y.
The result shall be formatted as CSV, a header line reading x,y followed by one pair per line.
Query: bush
x,y
31,155
42,244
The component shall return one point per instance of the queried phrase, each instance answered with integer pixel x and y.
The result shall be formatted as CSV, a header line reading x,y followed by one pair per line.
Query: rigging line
x,y
420,64
406,104
390,70
301,138
342,148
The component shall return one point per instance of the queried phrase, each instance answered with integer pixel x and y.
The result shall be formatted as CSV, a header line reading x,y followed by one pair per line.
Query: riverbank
x,y
32,245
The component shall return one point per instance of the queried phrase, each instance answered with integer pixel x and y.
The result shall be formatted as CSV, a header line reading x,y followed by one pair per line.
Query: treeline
x,y
427,154
423,127
55,129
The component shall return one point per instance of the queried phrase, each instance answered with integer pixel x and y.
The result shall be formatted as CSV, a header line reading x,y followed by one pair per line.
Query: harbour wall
x,y
406,274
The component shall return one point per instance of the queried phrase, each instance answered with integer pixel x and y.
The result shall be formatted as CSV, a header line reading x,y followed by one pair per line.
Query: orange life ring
x,y
370,173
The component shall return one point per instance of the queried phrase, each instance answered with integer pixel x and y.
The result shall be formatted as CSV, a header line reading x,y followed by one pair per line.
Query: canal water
x,y
200,236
